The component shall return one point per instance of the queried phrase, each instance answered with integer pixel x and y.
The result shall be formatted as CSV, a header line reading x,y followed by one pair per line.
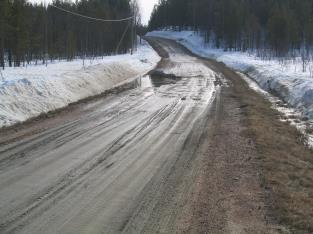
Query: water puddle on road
x,y
144,82
154,81
197,90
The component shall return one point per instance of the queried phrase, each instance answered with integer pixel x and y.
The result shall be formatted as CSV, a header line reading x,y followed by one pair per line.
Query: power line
x,y
122,38
92,18
104,20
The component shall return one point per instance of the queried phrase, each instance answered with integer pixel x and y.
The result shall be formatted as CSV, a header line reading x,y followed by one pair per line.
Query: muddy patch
x,y
156,79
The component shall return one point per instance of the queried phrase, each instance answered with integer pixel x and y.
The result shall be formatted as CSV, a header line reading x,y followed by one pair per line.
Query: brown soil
x,y
257,175
247,172
284,163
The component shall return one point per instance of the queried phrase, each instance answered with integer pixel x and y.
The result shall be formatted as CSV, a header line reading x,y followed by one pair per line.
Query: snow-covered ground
x,y
288,114
286,80
26,92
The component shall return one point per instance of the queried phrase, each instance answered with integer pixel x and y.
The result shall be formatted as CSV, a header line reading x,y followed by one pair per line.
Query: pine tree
x,y
282,26
4,29
35,32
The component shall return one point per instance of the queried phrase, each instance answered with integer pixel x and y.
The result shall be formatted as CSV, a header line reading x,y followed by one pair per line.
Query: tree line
x,y
37,33
276,27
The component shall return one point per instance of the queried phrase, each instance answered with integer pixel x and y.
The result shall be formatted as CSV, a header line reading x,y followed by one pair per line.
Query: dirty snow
x,y
290,115
27,92
286,80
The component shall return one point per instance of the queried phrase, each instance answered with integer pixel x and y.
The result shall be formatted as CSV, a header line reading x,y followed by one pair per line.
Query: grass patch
x,y
286,164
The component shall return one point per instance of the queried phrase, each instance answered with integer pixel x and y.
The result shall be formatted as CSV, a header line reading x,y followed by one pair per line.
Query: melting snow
x,y
286,80
29,91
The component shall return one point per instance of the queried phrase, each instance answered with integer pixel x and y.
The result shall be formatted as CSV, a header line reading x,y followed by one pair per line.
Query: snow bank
x,y
286,80
29,91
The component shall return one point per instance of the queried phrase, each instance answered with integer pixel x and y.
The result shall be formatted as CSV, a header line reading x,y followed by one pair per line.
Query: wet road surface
x,y
121,166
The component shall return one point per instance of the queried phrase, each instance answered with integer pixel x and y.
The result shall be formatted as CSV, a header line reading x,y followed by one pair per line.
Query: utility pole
x,y
46,33
135,29
132,32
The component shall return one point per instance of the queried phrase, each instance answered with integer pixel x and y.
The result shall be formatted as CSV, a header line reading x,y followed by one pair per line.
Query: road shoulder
x,y
256,174
284,163
228,196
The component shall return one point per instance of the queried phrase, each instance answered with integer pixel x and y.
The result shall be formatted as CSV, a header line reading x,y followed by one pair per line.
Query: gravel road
x,y
168,156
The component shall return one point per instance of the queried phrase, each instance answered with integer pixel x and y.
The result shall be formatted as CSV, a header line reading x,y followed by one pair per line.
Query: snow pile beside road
x,y
286,80
29,92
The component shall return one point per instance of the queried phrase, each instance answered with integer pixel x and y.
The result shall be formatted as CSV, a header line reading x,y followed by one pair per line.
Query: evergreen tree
x,y
280,27
4,29
36,32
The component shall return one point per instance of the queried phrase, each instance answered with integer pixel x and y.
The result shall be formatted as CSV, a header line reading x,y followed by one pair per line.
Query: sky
x,y
145,5
146,9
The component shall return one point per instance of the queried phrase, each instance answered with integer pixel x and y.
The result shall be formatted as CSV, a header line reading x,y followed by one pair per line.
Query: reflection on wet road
x,y
100,172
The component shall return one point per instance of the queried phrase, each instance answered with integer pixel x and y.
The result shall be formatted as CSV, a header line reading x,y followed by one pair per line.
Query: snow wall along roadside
x,y
287,81
27,92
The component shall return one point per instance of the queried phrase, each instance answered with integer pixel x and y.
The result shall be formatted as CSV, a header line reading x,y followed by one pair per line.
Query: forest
x,y
38,33
280,28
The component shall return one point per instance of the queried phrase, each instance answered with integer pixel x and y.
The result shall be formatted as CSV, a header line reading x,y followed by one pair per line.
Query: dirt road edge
x,y
284,164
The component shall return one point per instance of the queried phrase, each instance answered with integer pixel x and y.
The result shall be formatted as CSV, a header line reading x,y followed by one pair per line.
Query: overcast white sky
x,y
146,8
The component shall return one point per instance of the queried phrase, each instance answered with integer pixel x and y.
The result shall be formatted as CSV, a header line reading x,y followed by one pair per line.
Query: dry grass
x,y
286,164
